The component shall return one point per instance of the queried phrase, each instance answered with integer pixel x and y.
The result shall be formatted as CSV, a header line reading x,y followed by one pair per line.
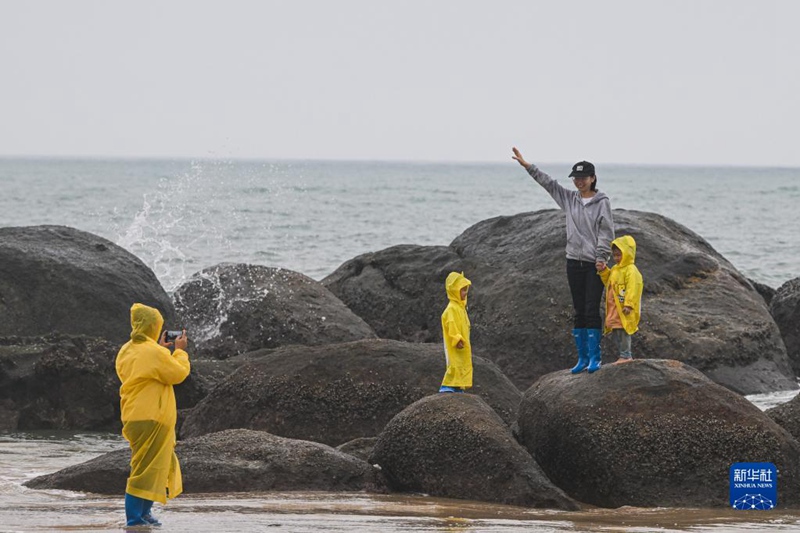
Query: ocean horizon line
x,y
410,162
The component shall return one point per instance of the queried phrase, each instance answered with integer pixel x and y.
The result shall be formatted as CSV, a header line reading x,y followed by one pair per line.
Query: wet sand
x,y
310,512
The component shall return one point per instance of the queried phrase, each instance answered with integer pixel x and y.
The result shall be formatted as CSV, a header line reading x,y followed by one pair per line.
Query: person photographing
x,y
148,371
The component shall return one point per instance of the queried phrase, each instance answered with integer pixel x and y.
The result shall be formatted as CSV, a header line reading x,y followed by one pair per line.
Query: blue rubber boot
x,y
583,354
147,515
134,509
593,337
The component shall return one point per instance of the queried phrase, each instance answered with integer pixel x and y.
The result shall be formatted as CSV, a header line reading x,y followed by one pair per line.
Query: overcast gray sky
x,y
662,82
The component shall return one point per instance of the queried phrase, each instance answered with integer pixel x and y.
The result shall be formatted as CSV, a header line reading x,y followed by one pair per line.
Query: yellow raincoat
x,y
455,328
148,371
626,282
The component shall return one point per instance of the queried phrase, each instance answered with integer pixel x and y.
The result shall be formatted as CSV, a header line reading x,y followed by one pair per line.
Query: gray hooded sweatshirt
x,y
590,227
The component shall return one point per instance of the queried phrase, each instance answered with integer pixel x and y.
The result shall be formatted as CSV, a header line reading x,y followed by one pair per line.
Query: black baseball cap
x,y
581,169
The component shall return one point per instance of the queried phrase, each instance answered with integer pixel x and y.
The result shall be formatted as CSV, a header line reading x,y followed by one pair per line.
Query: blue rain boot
x,y
580,343
593,337
134,509
147,515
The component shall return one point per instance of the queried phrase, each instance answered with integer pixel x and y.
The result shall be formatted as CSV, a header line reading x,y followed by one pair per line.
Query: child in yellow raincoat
x,y
148,371
455,331
623,296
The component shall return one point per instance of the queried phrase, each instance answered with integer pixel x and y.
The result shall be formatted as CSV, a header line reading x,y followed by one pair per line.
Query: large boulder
x,y
336,393
400,291
231,461
203,378
785,309
455,446
230,309
787,415
58,382
59,279
650,433
697,308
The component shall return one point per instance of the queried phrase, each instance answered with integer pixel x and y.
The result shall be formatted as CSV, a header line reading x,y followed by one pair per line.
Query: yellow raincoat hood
x,y
453,285
627,246
146,323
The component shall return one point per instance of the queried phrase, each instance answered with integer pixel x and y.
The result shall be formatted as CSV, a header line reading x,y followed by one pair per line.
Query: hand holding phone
x,y
174,338
171,335
181,341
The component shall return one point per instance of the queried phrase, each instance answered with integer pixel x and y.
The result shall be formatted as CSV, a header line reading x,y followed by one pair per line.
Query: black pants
x,y
587,291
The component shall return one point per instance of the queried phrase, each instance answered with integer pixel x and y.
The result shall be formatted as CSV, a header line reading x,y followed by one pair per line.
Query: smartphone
x,y
172,335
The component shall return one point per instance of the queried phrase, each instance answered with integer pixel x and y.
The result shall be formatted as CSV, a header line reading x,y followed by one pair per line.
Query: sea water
x,y
180,216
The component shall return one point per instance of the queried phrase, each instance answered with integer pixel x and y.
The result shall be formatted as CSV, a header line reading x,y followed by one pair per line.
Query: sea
x,y
182,215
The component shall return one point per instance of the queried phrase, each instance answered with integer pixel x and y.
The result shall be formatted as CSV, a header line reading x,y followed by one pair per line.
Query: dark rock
x,y
787,416
70,382
59,279
182,414
650,433
455,446
399,291
204,376
230,309
361,447
338,392
231,461
106,474
58,382
9,416
766,292
785,309
696,308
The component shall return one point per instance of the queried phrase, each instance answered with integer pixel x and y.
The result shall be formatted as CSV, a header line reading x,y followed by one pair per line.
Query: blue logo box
x,y
753,486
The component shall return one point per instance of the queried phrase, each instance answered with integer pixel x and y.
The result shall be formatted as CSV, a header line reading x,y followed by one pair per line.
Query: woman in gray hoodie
x,y
590,230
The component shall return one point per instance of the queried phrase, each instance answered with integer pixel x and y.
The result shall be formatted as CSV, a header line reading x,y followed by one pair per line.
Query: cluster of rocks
x,y
648,433
697,307
285,368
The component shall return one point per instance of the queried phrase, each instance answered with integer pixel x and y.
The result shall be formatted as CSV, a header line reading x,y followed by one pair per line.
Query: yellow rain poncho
x,y
455,328
148,371
625,280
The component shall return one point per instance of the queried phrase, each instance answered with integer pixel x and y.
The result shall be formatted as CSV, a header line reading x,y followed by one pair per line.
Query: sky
x,y
683,82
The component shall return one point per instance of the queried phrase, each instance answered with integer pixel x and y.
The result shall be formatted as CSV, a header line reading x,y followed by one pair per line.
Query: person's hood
x,y
598,196
627,246
453,285
146,323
